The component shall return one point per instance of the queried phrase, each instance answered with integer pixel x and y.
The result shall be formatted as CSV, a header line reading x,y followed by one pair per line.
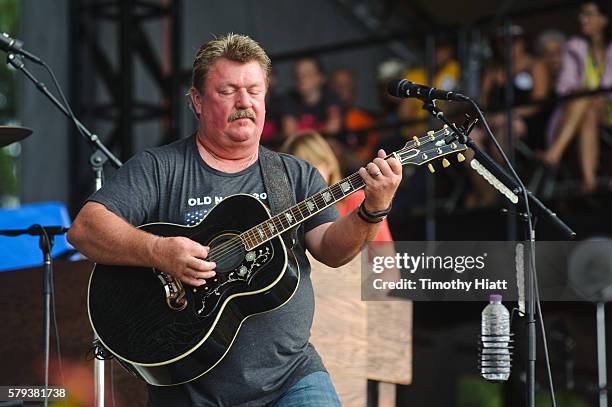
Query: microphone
x,y
404,89
14,46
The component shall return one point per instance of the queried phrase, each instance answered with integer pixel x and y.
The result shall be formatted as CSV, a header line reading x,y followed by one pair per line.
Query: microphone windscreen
x,y
394,87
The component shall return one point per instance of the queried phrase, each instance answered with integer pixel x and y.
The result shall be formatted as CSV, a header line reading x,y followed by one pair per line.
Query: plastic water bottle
x,y
495,355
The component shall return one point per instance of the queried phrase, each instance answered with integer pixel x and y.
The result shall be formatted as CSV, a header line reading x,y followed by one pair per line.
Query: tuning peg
x,y
445,163
431,168
416,141
460,157
431,135
445,126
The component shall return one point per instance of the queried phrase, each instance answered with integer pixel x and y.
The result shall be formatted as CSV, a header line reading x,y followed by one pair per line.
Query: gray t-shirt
x,y
271,352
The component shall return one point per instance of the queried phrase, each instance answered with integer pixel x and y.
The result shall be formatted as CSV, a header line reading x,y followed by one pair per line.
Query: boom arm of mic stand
x,y
92,139
36,230
537,206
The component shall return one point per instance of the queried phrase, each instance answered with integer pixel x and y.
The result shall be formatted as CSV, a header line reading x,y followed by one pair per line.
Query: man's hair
x,y
235,47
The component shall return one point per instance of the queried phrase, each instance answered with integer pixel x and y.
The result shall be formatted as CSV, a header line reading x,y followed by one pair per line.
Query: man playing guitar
x,y
271,361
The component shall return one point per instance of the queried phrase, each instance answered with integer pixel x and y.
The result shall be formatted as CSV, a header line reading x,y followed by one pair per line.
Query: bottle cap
x,y
495,298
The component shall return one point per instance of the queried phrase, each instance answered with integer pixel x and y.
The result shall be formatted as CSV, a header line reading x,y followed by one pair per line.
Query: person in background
x,y
586,65
271,134
546,69
549,53
311,106
355,118
446,76
389,139
411,194
530,83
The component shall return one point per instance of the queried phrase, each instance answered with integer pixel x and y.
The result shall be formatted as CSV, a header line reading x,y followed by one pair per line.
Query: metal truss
x,y
108,39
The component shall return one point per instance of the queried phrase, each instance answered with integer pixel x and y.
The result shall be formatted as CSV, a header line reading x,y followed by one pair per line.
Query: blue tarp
x,y
23,251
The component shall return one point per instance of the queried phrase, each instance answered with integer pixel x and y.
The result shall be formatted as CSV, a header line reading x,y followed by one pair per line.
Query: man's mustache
x,y
242,114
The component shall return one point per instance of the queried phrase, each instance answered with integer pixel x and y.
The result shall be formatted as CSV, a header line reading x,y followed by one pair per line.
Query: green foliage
x,y
476,392
9,16
564,399
8,182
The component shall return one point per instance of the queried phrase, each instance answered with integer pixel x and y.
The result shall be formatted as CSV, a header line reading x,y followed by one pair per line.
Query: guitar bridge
x,y
175,292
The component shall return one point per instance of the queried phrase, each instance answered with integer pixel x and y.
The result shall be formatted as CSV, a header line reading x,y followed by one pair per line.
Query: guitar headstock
x,y
433,146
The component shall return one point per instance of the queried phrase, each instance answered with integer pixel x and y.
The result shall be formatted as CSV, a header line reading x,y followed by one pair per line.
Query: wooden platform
x,y
359,340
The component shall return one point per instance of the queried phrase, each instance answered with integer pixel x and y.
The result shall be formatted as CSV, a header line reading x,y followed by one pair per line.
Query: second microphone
x,y
403,88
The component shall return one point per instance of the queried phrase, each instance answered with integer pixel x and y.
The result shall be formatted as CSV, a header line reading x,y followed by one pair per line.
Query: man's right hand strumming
x,y
184,259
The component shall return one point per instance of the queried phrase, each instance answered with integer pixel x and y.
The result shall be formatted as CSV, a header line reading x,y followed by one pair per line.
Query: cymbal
x,y
11,134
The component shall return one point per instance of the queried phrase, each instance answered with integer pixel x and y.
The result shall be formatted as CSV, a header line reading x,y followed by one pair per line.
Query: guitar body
x,y
167,332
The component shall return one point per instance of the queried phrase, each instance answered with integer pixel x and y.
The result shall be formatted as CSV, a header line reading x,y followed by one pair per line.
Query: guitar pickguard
x,y
207,297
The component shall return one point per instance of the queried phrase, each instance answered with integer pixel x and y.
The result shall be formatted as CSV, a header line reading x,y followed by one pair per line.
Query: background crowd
x,y
553,134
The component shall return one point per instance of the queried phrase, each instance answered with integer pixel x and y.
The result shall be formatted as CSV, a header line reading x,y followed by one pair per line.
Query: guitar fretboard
x,y
299,213
417,151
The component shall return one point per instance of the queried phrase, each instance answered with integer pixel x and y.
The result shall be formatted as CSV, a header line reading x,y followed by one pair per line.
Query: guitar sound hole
x,y
227,251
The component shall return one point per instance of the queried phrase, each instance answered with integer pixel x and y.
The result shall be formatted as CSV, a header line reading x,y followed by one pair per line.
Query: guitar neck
x,y
418,151
304,210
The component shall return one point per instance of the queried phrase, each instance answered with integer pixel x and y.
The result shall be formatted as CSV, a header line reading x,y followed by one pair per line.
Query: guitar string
x,y
233,246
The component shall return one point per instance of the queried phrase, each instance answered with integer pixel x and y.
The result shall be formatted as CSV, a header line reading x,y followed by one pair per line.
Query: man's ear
x,y
196,101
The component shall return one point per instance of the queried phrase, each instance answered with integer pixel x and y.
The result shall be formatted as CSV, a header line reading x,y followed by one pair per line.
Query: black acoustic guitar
x,y
167,332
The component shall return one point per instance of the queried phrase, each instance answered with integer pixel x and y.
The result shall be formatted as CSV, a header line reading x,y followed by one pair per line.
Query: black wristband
x,y
372,217
376,214
366,219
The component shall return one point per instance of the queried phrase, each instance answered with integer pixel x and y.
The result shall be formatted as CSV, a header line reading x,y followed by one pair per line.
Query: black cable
x,y
63,97
531,245
544,342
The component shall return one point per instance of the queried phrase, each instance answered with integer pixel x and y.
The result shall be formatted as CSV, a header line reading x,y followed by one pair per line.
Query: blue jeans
x,y
314,390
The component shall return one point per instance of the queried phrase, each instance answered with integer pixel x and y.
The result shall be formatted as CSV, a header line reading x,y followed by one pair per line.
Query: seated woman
x,y
586,65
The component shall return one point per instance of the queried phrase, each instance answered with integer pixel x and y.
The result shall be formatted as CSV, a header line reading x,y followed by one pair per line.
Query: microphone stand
x,y
46,236
98,158
532,202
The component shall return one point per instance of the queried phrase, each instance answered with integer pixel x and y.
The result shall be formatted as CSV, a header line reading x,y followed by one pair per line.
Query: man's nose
x,y
243,99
